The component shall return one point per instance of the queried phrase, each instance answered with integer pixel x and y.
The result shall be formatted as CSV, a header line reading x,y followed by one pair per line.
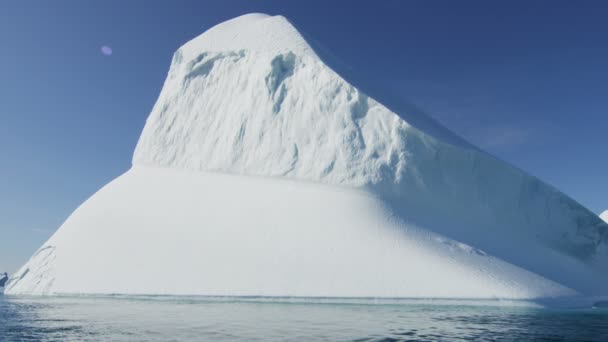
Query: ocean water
x,y
141,318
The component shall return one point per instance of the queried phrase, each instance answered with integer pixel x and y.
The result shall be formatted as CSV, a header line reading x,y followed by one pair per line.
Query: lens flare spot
x,y
106,50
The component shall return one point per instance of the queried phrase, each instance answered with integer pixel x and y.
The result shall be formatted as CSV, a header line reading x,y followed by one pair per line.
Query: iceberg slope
x,y
223,238
261,171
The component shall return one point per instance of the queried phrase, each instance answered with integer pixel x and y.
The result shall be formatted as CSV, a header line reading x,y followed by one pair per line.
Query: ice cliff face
x,y
397,196
251,97
264,104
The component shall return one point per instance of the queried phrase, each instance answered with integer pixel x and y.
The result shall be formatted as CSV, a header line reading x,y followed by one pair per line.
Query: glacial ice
x,y
262,171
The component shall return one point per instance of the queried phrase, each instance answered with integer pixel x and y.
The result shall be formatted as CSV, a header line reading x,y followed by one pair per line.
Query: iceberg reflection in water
x,y
146,318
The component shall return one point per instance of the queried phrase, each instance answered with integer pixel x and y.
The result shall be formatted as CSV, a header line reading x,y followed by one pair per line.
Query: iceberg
x,y
267,169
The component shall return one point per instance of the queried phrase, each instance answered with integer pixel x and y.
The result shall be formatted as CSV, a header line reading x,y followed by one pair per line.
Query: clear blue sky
x,y
524,80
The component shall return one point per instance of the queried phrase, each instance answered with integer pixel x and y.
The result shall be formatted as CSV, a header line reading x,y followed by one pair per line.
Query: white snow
x,y
604,216
170,236
261,171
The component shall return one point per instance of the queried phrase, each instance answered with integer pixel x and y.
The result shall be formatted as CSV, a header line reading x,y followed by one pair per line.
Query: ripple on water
x,y
127,318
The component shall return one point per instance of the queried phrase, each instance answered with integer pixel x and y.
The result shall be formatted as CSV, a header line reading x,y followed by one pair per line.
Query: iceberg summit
x,y
261,171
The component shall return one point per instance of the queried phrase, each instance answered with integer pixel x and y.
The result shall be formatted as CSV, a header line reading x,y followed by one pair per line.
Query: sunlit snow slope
x,y
604,216
261,171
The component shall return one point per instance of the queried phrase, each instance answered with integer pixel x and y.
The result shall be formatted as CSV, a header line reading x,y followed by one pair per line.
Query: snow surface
x,y
604,216
261,171
346,242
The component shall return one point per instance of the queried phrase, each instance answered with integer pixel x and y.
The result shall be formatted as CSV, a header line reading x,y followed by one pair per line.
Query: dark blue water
x,y
198,319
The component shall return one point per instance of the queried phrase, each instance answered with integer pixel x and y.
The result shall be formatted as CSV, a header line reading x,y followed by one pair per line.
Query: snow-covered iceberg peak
x,y
252,32
251,97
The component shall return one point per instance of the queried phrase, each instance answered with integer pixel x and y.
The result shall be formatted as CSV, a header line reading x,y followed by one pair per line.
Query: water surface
x,y
139,318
